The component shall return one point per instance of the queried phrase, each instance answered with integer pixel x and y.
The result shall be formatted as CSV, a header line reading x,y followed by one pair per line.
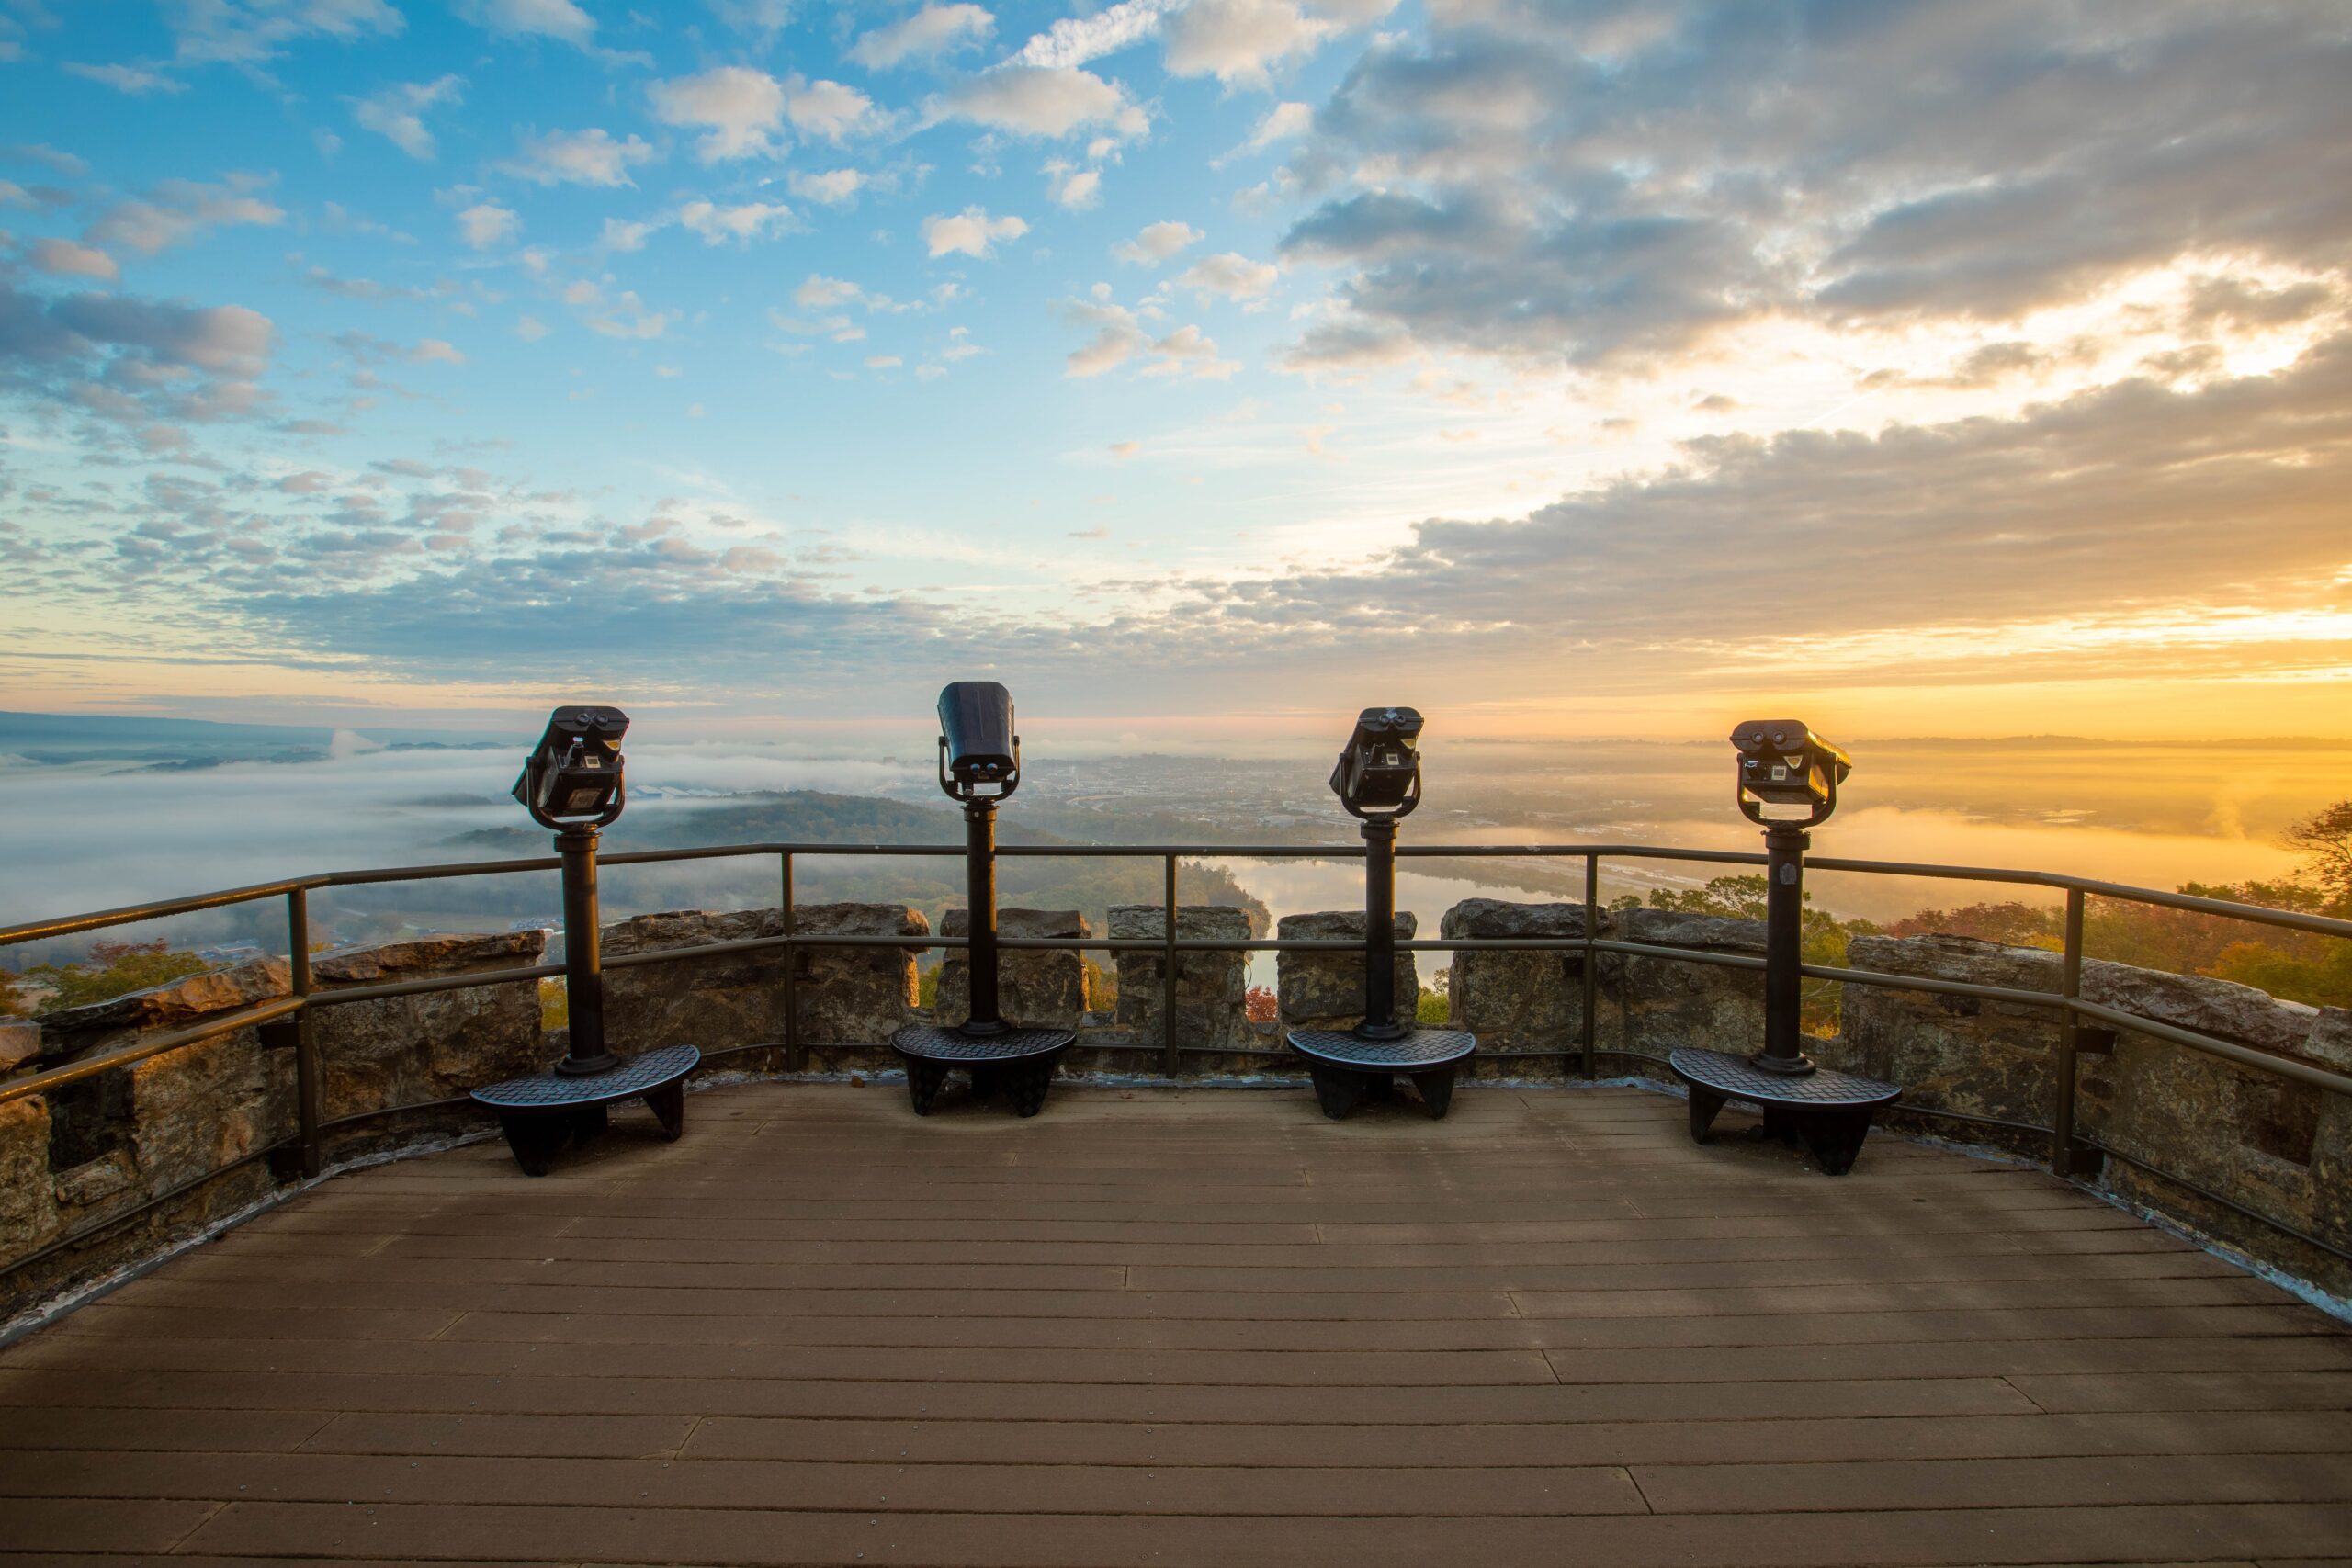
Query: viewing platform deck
x,y
1182,1327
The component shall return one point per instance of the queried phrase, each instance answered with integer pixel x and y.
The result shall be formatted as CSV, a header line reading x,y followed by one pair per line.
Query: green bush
x,y
114,969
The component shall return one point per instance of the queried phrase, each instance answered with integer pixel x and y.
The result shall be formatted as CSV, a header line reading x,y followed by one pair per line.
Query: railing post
x,y
795,1056
1591,964
1169,1058
309,1098
2062,1115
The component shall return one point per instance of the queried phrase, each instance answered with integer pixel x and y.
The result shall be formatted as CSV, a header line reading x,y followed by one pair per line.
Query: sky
x,y
1966,367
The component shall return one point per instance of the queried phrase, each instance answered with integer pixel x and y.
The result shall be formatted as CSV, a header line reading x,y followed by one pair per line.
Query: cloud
x,y
831,110
1045,102
397,113
434,351
1074,40
1155,243
930,33
2109,498
743,109
742,225
580,157
624,236
834,187
530,19
1232,276
226,340
972,232
486,224
530,329
622,315
1119,338
1552,184
135,80
1283,122
1071,186
1188,351
50,158
63,258
1238,41
178,212
253,32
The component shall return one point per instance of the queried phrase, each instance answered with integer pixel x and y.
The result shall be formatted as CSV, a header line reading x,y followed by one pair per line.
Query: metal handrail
x,y
2067,1147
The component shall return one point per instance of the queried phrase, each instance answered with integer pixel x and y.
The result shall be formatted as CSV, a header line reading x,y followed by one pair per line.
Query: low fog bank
x,y
92,835
94,832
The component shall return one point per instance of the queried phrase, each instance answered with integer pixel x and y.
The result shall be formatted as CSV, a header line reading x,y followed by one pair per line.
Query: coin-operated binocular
x,y
574,778
1785,767
979,764
1783,763
573,783
980,753
1378,781
1379,770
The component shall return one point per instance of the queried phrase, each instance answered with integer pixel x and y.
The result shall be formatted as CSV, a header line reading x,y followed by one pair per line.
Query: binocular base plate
x,y
1416,1051
540,1113
933,1044
1019,1062
1348,1071
1828,1113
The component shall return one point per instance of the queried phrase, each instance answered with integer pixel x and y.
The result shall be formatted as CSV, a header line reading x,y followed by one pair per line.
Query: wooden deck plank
x,y
1184,1327
956,1540
1214,1334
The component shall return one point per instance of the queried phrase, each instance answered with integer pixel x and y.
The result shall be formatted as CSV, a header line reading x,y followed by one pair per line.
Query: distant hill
x,y
179,743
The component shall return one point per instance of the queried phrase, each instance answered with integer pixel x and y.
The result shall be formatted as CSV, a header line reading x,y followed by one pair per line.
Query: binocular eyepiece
x,y
979,753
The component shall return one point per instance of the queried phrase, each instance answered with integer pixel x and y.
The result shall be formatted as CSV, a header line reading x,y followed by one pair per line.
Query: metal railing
x,y
2070,1151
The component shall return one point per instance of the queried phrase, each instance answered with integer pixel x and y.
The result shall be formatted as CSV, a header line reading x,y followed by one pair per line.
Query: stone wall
x,y
1210,988
1325,990
849,1000
399,1051
2280,1147
83,1153
1037,990
87,1152
1517,1003
1652,1005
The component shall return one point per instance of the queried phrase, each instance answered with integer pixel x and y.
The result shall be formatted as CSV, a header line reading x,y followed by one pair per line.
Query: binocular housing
x,y
978,747
573,777
1782,762
1379,774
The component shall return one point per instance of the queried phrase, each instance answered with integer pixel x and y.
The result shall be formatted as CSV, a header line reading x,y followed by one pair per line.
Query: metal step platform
x,y
540,1113
1829,1113
1349,1070
1018,1062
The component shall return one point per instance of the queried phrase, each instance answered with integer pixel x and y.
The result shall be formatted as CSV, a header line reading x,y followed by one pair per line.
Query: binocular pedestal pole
x,y
539,1114
1784,849
979,865
1380,933
999,1055
1828,1113
1363,1063
583,968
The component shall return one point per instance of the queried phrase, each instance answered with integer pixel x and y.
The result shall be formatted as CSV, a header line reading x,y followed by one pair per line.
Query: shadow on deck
x,y
1185,1328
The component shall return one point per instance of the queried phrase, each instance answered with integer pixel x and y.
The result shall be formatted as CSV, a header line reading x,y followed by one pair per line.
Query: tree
x,y
12,1000
2011,924
2325,839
